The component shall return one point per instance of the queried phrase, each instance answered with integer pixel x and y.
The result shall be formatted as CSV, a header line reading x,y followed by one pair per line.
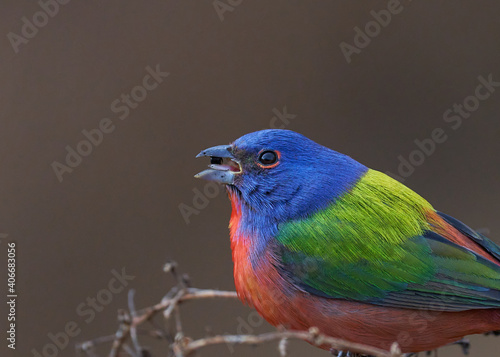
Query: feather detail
x,y
383,244
260,286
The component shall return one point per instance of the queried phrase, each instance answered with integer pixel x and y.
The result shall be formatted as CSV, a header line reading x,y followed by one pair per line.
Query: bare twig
x,y
181,346
87,346
133,329
189,294
313,336
122,333
282,347
178,321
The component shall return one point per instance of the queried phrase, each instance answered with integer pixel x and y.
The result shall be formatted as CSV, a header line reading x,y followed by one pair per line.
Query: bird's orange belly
x,y
414,330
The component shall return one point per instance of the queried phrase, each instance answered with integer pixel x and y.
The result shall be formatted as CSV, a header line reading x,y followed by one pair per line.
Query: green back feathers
x,y
378,211
375,244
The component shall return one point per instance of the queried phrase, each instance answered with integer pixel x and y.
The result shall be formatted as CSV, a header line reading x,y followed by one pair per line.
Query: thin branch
x,y
313,336
130,350
133,329
282,347
122,334
189,294
178,321
181,346
87,346
168,305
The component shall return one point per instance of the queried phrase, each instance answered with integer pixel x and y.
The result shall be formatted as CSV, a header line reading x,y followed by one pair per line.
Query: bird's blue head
x,y
280,174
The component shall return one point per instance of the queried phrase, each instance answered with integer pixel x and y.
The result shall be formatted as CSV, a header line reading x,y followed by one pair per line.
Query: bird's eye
x,y
268,158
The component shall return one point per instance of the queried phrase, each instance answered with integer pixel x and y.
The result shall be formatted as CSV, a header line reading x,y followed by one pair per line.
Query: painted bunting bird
x,y
319,239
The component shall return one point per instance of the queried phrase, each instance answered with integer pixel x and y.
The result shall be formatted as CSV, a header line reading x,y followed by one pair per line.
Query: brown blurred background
x,y
229,74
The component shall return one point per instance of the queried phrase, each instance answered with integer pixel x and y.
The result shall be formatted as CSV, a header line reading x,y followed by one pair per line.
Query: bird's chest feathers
x,y
242,247
245,275
257,281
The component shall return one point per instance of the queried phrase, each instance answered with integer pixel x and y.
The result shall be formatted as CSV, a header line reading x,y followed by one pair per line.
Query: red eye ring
x,y
271,156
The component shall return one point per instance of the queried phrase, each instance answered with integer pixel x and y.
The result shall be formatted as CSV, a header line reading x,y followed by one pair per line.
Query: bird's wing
x,y
383,244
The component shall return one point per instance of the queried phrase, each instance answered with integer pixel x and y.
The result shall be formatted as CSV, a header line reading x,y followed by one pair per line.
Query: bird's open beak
x,y
223,166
